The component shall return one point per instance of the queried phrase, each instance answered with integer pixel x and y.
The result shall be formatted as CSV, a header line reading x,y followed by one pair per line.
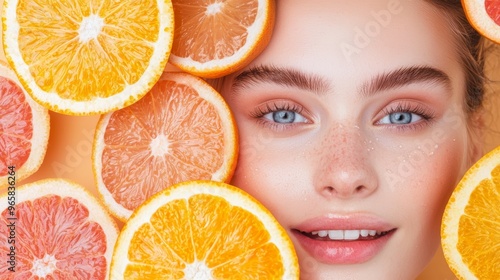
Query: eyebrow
x,y
405,76
317,84
281,76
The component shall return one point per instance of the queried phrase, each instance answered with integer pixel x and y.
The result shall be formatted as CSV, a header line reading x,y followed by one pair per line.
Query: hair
x,y
471,49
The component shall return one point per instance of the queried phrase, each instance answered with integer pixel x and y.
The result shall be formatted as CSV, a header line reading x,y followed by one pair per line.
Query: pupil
x,y
401,118
284,117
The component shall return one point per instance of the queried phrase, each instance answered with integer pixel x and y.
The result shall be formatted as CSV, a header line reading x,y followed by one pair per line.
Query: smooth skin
x,y
343,122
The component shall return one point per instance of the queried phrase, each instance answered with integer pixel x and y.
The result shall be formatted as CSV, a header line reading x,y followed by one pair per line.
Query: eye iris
x,y
400,117
284,117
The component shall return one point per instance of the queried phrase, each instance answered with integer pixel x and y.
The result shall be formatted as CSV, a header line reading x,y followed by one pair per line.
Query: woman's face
x,y
353,134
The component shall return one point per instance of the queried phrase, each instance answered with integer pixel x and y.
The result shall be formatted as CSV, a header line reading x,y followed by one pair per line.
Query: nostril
x,y
329,189
359,189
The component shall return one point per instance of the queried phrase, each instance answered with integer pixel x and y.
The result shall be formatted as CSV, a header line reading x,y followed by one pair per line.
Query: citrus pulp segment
x,y
182,130
57,230
24,130
87,57
470,230
484,16
203,230
215,38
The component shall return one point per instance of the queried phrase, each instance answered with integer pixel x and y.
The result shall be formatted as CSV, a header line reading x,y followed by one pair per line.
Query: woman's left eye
x,y
400,118
284,117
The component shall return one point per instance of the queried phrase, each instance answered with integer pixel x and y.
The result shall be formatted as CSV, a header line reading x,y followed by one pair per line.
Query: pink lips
x,y
339,239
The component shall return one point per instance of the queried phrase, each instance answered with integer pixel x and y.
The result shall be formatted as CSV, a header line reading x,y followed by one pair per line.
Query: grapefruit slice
x,y
484,15
54,229
24,129
470,230
182,130
203,230
215,38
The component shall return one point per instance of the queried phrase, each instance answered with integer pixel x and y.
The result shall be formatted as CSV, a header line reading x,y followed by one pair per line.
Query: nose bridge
x,y
344,168
344,145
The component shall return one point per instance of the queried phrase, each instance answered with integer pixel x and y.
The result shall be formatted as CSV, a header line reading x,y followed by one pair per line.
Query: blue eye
x,y
284,117
400,118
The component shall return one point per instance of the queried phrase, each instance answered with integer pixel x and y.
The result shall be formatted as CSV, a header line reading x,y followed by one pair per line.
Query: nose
x,y
344,168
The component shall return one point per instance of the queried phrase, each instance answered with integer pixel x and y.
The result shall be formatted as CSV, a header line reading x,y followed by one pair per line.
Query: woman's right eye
x,y
285,117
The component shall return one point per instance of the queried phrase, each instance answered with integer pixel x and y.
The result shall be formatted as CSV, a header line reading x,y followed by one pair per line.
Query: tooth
x,y
314,233
364,232
336,234
351,234
322,233
372,232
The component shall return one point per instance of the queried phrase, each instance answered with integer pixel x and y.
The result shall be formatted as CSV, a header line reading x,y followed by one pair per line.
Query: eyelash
x,y
270,107
417,109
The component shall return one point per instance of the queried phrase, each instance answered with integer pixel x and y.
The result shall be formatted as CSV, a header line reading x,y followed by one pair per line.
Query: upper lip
x,y
353,221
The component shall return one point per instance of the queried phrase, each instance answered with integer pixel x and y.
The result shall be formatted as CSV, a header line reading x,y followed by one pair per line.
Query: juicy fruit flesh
x,y
216,30
477,231
70,49
16,127
185,235
53,237
493,10
160,147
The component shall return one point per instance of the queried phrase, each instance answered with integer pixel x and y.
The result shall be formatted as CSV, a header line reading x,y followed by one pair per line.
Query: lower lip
x,y
342,252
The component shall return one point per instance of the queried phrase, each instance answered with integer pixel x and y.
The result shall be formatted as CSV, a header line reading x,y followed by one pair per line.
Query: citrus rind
x,y
98,105
455,209
478,17
66,188
259,35
185,190
230,153
40,138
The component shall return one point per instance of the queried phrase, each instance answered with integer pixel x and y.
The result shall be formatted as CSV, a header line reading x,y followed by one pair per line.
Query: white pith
x,y
90,28
44,266
198,270
65,188
98,105
455,209
160,146
477,13
212,97
254,31
185,190
40,137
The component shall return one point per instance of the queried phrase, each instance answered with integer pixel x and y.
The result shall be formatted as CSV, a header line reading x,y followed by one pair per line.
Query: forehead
x,y
344,39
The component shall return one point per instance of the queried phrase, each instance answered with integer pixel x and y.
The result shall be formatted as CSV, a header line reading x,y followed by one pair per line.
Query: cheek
x,y
272,175
431,175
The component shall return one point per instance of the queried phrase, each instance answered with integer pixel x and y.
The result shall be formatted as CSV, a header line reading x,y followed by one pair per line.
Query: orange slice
x,y
24,129
484,15
87,57
182,130
2,54
54,229
216,38
203,230
470,230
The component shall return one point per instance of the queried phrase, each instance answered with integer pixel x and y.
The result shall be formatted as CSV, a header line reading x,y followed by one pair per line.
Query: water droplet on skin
x,y
431,153
436,146
454,139
400,146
